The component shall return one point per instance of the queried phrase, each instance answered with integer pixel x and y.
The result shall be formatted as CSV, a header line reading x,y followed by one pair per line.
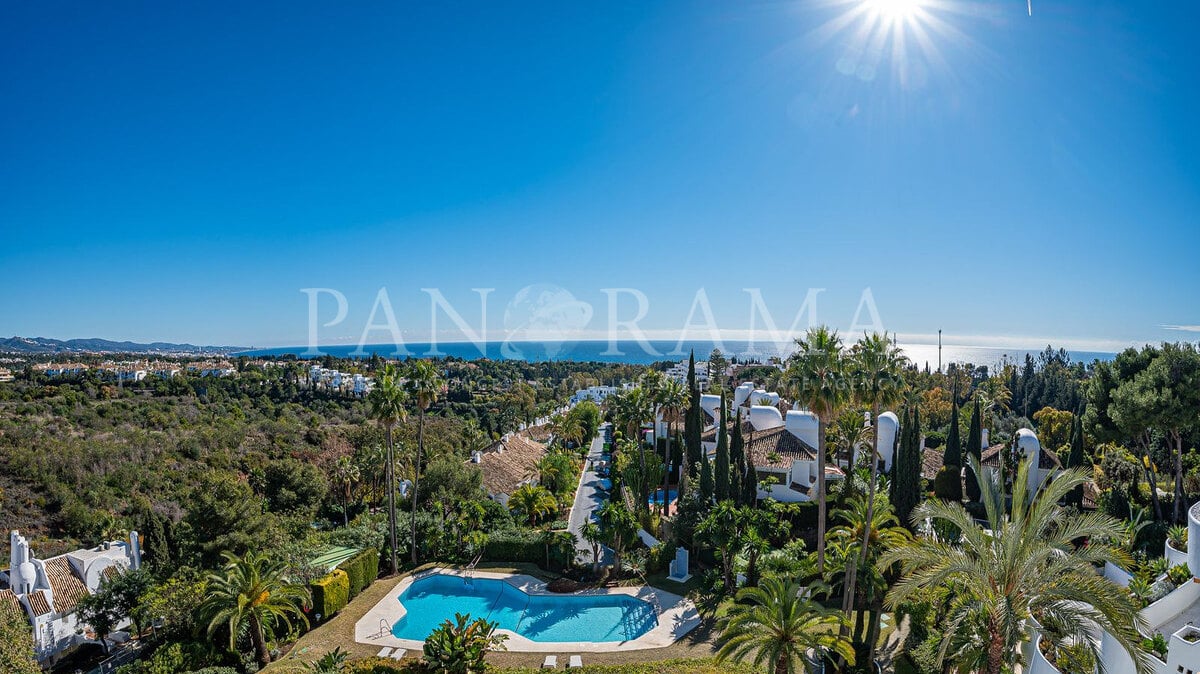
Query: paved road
x,y
587,499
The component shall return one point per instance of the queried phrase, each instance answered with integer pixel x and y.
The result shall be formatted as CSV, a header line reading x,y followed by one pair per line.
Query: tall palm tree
x,y
774,627
423,385
817,377
869,526
877,375
346,474
386,403
672,399
1024,564
630,408
250,593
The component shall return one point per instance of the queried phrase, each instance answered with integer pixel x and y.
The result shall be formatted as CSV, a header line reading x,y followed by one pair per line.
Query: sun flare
x,y
895,10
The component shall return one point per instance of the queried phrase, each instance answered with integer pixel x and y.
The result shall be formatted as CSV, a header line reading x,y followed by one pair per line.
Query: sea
x,y
644,353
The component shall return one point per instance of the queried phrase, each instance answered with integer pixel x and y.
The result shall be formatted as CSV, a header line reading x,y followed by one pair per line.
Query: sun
x,y
893,10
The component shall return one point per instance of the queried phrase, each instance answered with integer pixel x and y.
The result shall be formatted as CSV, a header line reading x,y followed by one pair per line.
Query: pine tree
x,y
737,462
1075,460
721,469
948,485
974,442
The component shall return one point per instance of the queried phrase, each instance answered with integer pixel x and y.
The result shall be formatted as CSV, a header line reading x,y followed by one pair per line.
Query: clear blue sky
x,y
178,171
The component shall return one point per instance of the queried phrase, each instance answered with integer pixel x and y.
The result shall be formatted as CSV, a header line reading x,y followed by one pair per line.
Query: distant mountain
x,y
44,345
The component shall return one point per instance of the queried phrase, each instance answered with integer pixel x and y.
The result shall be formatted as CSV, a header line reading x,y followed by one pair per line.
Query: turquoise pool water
x,y
545,618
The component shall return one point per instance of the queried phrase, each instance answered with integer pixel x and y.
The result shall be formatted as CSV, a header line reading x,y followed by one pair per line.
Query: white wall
x,y
1162,611
1117,575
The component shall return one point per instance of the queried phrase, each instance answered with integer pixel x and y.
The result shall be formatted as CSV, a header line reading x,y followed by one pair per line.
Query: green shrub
x,y
514,545
215,670
660,557
362,570
1179,574
330,594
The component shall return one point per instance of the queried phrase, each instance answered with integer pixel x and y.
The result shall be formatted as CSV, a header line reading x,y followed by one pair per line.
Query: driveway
x,y
588,499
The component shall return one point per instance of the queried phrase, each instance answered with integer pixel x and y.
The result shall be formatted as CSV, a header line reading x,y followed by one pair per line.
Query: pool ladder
x,y
468,579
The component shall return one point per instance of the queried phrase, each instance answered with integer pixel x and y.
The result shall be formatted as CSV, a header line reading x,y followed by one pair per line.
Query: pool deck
x,y
676,617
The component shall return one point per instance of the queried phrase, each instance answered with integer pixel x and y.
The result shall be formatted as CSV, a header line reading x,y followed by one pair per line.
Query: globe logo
x,y
542,321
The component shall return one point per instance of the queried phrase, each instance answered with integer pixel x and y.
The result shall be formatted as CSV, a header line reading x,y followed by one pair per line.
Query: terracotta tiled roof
x,y
10,604
110,572
991,456
37,602
1047,460
68,589
761,444
507,463
539,433
711,434
1091,495
931,463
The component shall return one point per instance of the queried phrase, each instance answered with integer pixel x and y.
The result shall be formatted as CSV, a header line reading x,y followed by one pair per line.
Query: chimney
x,y
984,435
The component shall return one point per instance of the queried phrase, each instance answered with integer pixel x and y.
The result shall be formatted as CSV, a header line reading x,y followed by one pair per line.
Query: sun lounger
x,y
384,652
551,662
399,654
575,662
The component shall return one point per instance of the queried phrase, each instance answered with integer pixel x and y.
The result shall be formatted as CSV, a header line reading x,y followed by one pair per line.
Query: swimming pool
x,y
656,497
541,618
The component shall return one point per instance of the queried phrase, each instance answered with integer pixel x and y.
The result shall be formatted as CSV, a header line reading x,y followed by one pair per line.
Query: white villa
x,y
335,380
596,394
60,369
679,372
46,591
781,440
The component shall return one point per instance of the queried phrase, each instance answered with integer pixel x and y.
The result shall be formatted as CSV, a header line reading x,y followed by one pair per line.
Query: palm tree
x,y
672,399
387,401
850,434
774,627
1024,564
817,376
875,524
630,408
423,385
346,474
595,538
250,593
876,370
533,501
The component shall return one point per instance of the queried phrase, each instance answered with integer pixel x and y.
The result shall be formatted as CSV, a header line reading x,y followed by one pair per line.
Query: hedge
x,y
377,665
514,545
330,593
362,570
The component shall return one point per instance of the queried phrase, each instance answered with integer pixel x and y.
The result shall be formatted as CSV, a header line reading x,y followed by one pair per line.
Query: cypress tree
x,y
749,483
706,480
948,485
737,462
1075,460
721,469
908,469
974,442
902,443
693,424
